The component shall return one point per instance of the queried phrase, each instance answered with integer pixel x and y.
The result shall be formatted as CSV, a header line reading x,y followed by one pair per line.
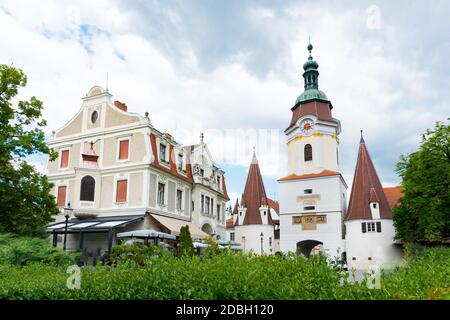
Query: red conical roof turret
x,y
366,188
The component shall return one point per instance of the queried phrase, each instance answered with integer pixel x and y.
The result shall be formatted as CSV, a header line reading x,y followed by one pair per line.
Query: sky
x,y
233,70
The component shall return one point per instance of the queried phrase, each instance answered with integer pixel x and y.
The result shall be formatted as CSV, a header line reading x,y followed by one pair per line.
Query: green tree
x,y
424,211
26,205
185,246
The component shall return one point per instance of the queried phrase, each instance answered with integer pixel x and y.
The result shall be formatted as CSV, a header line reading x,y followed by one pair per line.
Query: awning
x,y
146,234
102,224
174,225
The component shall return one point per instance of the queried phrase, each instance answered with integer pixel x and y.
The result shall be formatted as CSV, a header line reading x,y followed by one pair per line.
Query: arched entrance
x,y
207,229
308,247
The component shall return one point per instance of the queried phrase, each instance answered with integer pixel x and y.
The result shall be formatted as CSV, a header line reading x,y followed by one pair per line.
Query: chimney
x,y
120,105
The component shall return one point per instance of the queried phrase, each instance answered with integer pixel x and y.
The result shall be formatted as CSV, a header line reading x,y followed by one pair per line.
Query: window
x,y
162,152
219,183
161,188
231,236
212,206
123,149
180,162
202,172
64,159
203,203
94,117
61,200
310,208
308,191
87,190
179,199
121,192
370,226
374,205
207,205
308,152
218,212
270,241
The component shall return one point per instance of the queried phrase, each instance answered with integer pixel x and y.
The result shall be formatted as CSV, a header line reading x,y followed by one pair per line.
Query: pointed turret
x,y
254,196
236,207
366,189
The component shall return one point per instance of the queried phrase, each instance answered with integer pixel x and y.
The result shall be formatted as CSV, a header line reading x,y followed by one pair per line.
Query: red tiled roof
x,y
229,223
254,195
393,195
274,205
236,207
224,189
365,184
320,109
324,173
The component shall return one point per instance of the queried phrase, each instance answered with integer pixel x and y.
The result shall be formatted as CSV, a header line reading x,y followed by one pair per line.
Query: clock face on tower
x,y
307,126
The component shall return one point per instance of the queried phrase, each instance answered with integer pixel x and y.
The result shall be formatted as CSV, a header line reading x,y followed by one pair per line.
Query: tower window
x,y
308,152
374,205
308,191
309,208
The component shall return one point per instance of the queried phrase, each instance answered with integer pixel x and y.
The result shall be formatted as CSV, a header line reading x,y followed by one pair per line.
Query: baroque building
x,y
120,173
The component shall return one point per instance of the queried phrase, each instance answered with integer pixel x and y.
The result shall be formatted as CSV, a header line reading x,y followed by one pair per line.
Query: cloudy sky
x,y
232,69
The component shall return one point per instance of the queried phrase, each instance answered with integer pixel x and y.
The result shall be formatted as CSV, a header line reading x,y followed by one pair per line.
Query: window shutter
x,y
64,159
121,193
363,227
379,226
123,149
61,196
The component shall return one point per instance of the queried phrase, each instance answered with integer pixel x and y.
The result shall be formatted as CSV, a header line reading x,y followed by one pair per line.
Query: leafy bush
x,y
229,276
24,250
136,253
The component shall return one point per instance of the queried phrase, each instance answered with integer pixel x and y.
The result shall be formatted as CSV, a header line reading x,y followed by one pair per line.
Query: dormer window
x,y
162,152
219,183
180,162
374,205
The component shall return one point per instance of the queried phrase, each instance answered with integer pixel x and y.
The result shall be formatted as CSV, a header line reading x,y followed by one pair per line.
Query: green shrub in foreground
x,y
24,250
228,276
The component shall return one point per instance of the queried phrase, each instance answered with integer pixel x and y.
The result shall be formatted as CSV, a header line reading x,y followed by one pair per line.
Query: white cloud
x,y
370,87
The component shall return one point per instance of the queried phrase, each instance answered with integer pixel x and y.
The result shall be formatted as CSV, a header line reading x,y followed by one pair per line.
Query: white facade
x,y
249,236
371,248
328,199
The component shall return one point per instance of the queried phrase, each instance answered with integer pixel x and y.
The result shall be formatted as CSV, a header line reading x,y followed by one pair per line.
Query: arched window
x,y
308,152
87,190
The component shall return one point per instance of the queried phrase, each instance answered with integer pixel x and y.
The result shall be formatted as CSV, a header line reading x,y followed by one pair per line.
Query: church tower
x,y
313,194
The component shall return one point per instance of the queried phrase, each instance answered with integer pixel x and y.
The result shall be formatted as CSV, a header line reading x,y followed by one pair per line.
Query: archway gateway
x,y
306,247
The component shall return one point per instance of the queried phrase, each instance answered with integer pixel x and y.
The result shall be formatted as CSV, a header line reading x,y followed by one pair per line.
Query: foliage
x,y
185,247
425,275
25,201
136,253
213,248
424,211
23,250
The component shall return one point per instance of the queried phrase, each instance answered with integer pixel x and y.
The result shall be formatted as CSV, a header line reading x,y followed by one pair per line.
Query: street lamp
x,y
67,210
262,238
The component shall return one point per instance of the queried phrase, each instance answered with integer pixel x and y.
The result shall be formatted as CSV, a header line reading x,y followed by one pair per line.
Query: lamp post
x,y
262,238
67,211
